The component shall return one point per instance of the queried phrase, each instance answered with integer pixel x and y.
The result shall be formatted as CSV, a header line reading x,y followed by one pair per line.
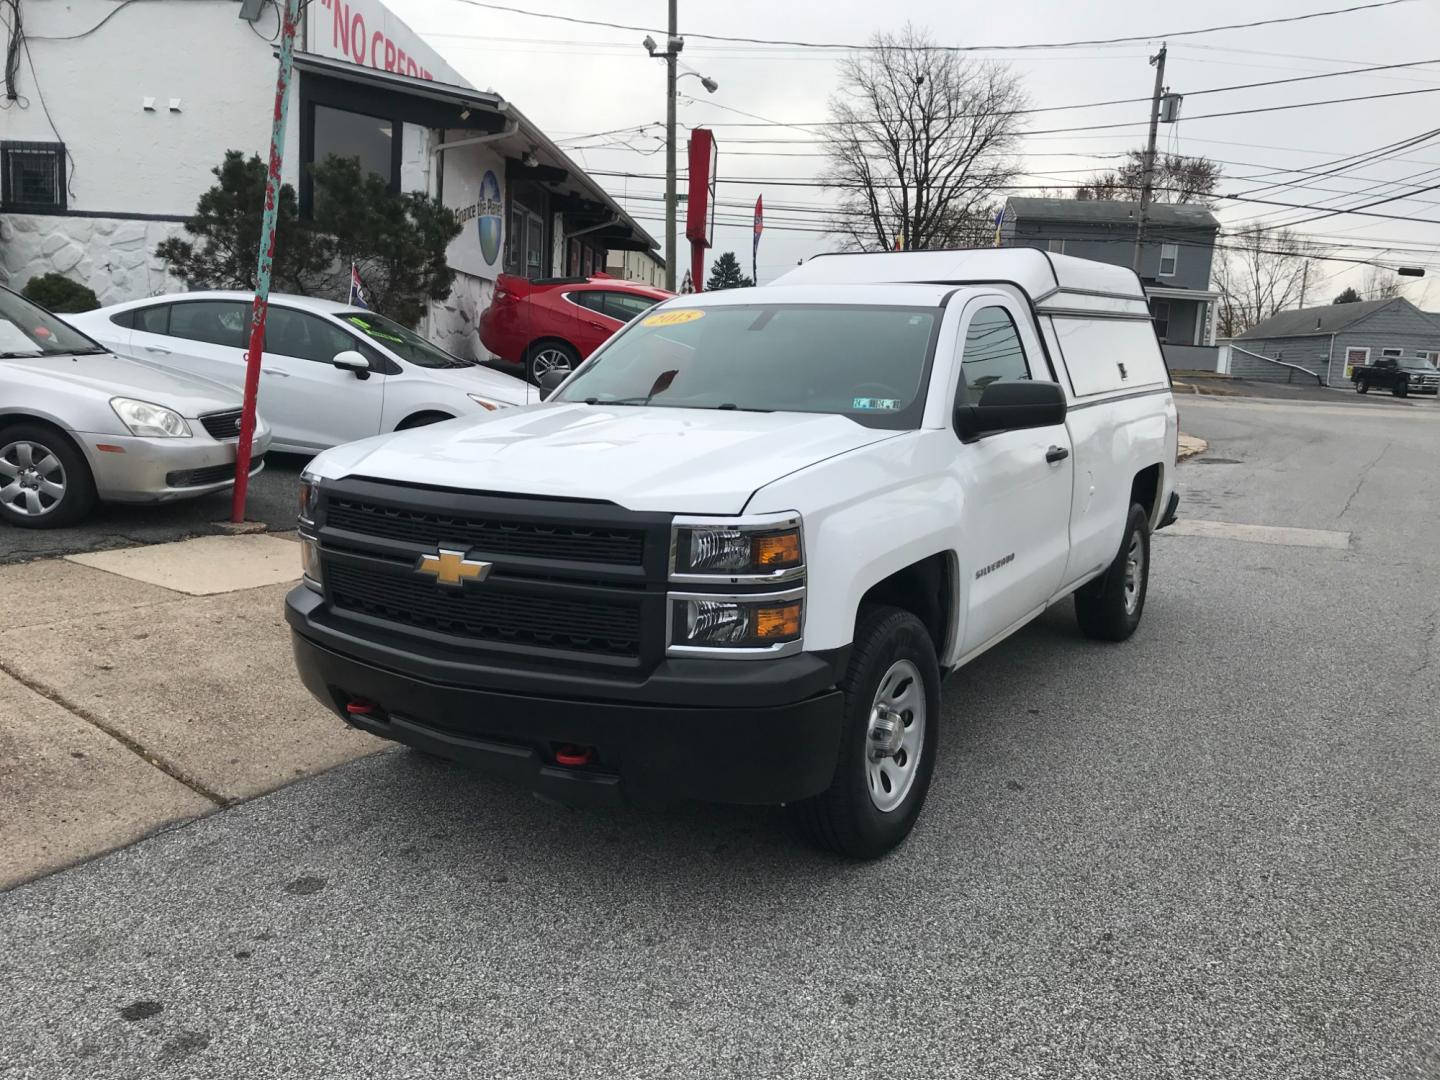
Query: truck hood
x,y
104,375
696,461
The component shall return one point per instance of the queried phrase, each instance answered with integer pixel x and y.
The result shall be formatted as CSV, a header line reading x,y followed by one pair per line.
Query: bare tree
x,y
1179,178
1260,271
920,143
1381,284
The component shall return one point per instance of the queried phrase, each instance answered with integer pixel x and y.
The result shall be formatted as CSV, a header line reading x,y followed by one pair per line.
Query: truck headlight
x,y
729,622
150,421
310,572
767,548
309,497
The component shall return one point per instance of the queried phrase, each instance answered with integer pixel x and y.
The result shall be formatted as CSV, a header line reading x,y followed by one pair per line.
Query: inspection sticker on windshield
x,y
673,318
883,404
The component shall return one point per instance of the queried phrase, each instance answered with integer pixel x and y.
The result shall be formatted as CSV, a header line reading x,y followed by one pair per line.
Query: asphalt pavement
x,y
1212,851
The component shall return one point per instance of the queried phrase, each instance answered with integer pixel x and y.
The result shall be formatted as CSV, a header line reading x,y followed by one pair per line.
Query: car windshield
x,y
869,363
1414,363
29,330
402,341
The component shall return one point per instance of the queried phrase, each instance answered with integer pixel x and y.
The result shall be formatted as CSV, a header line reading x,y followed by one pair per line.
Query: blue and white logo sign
x,y
490,216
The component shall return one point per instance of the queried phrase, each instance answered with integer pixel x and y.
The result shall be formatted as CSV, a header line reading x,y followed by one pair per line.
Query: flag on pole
x,y
755,247
357,290
999,221
687,283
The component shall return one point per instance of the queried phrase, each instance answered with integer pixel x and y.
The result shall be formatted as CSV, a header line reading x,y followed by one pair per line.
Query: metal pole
x,y
290,20
1148,182
671,258
1304,280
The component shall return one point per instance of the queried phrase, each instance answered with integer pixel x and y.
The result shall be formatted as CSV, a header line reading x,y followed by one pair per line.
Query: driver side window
x,y
294,333
992,353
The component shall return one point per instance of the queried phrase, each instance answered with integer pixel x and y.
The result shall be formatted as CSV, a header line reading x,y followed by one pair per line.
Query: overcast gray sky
x,y
577,80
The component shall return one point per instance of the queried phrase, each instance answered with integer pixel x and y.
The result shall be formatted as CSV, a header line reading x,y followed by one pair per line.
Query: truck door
x,y
1015,522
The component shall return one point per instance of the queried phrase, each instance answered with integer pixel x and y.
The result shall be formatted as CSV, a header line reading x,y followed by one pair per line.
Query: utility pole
x,y
1304,280
1148,183
673,45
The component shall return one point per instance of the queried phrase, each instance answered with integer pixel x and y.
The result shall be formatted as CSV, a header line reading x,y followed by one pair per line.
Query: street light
x,y
674,43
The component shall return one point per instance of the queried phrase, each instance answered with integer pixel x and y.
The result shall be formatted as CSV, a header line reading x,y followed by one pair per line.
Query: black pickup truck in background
x,y
1401,375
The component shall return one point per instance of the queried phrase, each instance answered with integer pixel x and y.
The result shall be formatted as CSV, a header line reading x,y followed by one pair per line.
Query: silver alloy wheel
x,y
895,736
32,480
1134,572
547,360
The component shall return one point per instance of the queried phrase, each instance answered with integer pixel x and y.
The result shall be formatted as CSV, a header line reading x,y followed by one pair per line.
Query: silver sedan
x,y
78,424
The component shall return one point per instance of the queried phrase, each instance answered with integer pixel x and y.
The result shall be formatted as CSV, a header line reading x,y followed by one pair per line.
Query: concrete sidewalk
x,y
129,703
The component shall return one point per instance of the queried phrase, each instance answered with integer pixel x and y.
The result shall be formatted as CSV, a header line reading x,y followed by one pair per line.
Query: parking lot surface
x,y
1213,851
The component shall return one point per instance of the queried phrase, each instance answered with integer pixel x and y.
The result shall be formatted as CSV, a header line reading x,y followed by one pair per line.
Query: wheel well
x,y
548,340
1145,489
925,589
429,416
8,420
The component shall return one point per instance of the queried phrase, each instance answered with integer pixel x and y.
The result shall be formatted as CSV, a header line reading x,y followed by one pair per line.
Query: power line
x,y
849,47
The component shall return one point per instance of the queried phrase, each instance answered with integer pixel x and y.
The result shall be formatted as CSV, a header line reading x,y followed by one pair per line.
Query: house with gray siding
x,y
1174,261
1329,341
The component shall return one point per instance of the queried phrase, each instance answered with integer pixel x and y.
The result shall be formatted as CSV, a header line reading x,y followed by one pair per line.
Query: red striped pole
x,y
290,20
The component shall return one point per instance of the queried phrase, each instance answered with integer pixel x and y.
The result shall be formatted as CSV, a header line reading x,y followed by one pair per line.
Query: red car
x,y
552,324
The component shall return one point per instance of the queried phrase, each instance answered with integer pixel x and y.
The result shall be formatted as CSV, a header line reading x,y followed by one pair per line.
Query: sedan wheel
x,y
44,482
551,356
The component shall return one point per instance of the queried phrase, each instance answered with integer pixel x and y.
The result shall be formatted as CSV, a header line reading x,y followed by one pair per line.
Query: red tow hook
x,y
574,756
360,708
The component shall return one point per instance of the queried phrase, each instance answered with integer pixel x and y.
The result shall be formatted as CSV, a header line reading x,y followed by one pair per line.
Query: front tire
x,y
1109,608
45,482
889,734
1401,389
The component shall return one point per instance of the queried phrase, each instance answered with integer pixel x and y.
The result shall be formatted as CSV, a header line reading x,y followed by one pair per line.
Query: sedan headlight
x,y
487,404
150,421
764,549
726,622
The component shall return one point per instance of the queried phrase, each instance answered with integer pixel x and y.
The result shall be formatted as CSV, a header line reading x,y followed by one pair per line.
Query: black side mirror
x,y
1009,406
549,381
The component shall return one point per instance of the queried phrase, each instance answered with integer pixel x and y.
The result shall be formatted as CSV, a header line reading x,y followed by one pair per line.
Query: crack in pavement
x,y
1360,482
149,757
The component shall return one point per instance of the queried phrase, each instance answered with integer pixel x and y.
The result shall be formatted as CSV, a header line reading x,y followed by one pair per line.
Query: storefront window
x,y
370,139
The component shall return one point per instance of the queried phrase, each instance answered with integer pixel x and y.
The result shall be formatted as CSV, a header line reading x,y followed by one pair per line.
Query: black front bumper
x,y
761,732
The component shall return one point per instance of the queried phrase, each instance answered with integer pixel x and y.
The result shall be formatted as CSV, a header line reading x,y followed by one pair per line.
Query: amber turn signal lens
x,y
777,551
780,623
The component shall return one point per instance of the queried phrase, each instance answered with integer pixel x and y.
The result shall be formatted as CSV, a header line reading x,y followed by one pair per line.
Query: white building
x,y
645,267
118,112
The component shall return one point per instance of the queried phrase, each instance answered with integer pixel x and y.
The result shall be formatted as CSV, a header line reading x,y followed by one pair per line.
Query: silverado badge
x,y
450,567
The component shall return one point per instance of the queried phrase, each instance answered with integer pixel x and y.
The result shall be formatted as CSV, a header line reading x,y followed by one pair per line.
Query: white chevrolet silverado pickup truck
x,y
735,554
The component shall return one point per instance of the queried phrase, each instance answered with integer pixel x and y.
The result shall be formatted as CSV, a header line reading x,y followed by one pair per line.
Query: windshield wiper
x,y
730,406
618,401
73,352
21,355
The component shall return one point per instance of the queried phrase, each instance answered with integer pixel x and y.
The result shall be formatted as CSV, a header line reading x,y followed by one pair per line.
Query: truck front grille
x,y
486,613
487,535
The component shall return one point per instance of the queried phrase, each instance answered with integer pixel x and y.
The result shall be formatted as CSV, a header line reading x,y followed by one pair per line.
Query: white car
x,y
733,554
331,373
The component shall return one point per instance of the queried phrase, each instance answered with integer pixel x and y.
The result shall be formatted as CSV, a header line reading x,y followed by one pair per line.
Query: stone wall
x,y
114,256
454,323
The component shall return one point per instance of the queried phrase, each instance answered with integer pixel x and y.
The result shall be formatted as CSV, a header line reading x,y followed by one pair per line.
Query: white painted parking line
x,y
1259,534
205,565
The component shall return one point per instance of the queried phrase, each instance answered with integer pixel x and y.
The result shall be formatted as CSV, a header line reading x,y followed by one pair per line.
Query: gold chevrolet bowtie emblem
x,y
452,568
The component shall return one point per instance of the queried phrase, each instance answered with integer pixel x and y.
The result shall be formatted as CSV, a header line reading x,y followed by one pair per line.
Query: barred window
x,y
32,175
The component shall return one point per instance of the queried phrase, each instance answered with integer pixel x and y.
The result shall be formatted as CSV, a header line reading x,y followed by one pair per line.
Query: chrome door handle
x,y
157,349
1056,453
276,372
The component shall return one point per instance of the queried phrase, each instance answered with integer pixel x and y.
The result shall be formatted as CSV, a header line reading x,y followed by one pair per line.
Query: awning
x,y
447,107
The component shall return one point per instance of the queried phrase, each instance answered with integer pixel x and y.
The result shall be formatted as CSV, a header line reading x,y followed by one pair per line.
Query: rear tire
x,y
1109,608
888,739
45,482
1362,387
549,355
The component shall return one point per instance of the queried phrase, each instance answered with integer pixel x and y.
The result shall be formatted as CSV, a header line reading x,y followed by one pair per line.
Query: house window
x,y
525,242
33,175
1169,258
1355,358
1160,315
1395,353
1057,246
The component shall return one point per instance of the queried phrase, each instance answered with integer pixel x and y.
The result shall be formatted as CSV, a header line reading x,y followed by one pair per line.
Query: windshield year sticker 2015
x,y
883,404
672,318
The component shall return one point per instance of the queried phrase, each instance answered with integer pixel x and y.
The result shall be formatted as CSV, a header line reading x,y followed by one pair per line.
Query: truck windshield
x,y
29,330
1414,363
870,363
